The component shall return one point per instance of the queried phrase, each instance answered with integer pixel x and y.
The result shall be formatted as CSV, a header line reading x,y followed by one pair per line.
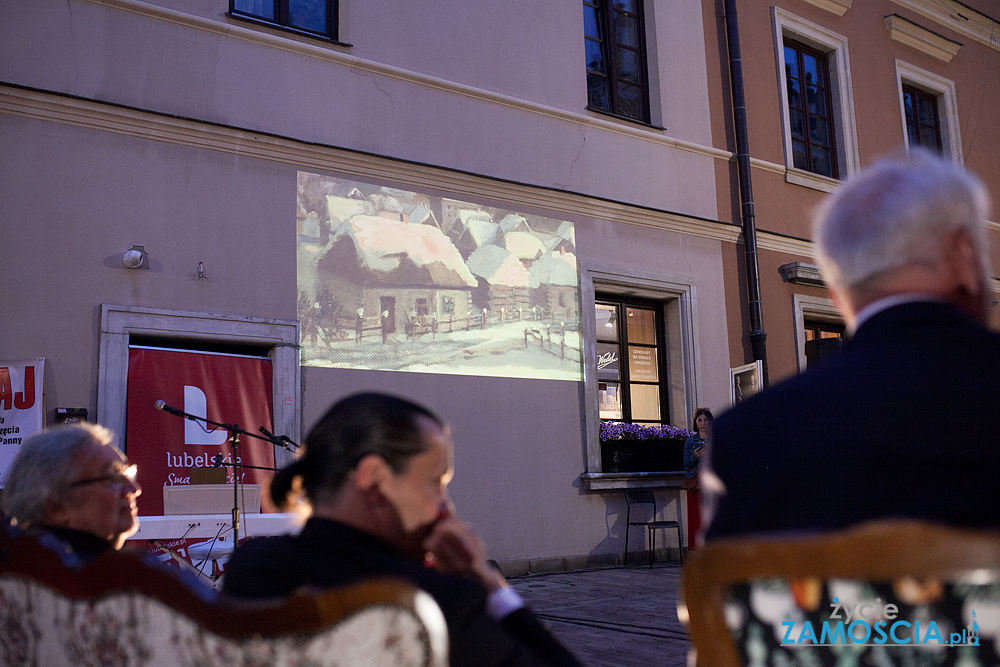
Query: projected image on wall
x,y
395,280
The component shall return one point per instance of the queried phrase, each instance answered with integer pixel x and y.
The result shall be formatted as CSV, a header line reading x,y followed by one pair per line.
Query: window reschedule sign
x,y
642,364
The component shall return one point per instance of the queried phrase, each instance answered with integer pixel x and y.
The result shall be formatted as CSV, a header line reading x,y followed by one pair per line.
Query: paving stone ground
x,y
612,617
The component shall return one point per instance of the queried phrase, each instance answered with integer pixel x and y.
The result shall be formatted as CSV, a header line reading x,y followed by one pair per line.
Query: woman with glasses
x,y
71,482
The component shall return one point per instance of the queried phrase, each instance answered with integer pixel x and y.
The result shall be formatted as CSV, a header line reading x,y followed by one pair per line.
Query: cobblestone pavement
x,y
619,616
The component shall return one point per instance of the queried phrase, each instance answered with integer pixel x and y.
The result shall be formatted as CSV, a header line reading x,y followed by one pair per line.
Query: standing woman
x,y
694,448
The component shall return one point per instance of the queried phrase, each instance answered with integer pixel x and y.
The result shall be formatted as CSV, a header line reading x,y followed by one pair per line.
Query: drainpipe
x,y
757,335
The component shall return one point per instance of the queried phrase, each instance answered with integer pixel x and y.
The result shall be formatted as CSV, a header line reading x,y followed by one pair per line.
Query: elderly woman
x,y
71,482
375,471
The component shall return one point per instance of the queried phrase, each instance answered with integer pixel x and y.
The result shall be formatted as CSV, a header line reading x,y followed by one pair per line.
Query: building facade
x,y
831,85
525,220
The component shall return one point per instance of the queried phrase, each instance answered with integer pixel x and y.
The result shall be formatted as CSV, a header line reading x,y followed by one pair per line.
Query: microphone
x,y
217,461
279,440
160,405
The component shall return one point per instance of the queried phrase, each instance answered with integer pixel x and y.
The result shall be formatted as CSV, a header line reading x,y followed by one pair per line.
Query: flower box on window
x,y
641,448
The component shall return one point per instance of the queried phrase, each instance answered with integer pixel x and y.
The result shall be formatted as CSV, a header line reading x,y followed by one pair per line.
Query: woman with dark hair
x,y
375,471
694,448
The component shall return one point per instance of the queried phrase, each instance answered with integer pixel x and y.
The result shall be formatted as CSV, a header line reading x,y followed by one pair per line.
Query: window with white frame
x,y
640,368
928,111
817,105
614,36
819,327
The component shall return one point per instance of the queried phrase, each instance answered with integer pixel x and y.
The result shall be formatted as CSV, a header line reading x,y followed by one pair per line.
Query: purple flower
x,y
615,430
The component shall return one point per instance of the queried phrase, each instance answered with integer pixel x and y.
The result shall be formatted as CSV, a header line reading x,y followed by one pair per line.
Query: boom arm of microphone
x,y
280,440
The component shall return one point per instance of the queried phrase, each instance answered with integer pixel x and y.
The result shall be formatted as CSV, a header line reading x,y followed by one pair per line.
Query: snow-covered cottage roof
x,y
342,208
525,245
512,222
390,251
387,203
465,215
499,267
421,215
555,268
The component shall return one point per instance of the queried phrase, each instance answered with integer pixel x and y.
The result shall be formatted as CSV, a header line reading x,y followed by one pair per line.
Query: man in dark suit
x,y
903,421
375,471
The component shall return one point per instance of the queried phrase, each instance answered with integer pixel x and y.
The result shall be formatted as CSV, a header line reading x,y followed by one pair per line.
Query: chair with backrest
x,y
890,592
123,609
646,497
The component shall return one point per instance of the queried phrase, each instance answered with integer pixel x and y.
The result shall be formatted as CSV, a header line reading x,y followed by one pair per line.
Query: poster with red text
x,y
225,388
21,409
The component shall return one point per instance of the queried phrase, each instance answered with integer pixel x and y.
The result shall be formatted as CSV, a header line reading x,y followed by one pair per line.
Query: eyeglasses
x,y
124,476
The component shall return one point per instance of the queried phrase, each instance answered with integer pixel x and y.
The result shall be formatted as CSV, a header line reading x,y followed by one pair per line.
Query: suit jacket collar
x,y
913,314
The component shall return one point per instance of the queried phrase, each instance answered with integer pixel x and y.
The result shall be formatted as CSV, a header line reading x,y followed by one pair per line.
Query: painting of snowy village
x,y
401,281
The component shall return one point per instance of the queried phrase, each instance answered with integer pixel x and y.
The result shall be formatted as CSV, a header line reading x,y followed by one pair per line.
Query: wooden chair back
x,y
745,600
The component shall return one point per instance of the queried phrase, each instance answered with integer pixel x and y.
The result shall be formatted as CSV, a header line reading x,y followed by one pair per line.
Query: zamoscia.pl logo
x,y
874,624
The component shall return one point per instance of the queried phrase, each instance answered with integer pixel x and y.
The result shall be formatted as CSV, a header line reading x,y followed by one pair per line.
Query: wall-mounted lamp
x,y
135,257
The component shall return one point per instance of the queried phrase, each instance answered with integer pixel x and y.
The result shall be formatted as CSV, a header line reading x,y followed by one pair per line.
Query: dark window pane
x,y
591,26
794,99
608,361
819,131
929,137
799,155
597,91
817,101
629,100
625,30
307,14
615,60
821,161
925,110
261,8
628,65
797,124
908,106
791,63
813,70
595,58
795,116
911,133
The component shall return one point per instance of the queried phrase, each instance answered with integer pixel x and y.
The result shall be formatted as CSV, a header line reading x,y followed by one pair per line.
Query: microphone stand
x,y
235,431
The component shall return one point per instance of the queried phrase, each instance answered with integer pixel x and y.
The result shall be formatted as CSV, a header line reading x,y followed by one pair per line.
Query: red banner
x,y
225,388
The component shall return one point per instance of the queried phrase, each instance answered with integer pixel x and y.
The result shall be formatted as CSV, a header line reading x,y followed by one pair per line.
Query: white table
x,y
174,527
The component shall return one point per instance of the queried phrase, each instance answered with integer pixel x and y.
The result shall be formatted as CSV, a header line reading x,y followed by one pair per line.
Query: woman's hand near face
x,y
457,550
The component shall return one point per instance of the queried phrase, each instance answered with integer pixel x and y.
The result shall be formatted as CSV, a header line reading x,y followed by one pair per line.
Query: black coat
x,y
327,554
903,422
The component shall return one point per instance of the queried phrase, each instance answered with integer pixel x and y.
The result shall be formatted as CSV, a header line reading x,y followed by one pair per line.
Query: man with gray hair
x,y
71,482
902,422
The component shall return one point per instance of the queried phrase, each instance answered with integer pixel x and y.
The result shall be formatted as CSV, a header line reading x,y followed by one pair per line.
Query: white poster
x,y
21,409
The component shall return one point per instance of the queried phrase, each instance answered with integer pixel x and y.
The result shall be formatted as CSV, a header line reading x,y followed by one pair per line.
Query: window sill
x,y
807,179
625,119
287,30
606,481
